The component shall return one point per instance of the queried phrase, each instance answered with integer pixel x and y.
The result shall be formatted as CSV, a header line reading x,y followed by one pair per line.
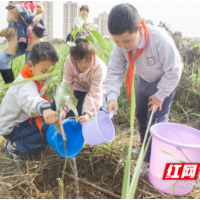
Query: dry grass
x,y
36,176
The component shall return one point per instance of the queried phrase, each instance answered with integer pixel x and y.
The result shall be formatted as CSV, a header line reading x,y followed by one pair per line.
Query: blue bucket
x,y
73,133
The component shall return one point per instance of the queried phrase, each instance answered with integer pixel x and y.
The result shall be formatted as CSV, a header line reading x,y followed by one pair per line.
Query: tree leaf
x,y
82,36
49,94
71,44
91,41
168,153
28,80
98,42
174,186
143,151
62,97
126,179
74,31
73,108
50,78
90,38
175,158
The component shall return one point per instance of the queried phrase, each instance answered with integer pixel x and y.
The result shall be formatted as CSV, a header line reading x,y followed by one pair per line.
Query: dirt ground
x,y
36,176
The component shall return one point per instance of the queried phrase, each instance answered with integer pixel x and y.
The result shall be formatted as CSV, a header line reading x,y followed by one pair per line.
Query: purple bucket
x,y
178,140
99,129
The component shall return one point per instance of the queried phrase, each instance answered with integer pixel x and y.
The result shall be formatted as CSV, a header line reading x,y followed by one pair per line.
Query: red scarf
x,y
130,71
26,73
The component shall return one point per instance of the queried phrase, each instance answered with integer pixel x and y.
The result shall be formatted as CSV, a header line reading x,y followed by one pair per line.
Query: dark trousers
x,y
27,137
80,96
144,90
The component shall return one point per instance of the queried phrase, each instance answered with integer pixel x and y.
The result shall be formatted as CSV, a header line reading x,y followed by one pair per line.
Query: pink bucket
x,y
171,137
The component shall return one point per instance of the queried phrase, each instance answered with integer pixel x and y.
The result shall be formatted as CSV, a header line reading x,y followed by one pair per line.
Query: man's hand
x,y
14,11
155,102
63,114
50,116
83,119
1,35
112,105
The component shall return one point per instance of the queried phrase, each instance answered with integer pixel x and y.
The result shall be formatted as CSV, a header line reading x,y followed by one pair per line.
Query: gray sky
x,y
182,16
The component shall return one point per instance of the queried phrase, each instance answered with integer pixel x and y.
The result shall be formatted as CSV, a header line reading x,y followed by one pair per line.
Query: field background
x,y
102,165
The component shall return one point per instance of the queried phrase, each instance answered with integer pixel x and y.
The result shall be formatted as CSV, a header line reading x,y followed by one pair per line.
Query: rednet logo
x,y
181,171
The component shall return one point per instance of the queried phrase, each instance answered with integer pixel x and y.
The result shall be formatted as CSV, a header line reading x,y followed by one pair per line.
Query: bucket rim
x,y
98,126
171,142
57,149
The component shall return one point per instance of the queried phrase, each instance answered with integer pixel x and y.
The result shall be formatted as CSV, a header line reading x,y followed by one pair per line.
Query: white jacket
x,y
19,104
160,59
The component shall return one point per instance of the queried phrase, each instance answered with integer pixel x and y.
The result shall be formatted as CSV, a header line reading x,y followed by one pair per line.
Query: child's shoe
x,y
143,171
12,151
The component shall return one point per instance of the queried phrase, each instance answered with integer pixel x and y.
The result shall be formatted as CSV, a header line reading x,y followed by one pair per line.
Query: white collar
x,y
142,40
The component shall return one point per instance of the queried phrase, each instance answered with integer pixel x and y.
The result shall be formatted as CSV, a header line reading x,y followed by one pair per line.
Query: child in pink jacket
x,y
86,74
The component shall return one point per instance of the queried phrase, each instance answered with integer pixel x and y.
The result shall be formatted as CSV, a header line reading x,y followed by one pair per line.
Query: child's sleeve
x,y
94,99
172,66
30,100
69,77
115,73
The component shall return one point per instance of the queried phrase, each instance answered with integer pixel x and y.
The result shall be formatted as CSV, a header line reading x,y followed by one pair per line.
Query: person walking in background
x,y
23,17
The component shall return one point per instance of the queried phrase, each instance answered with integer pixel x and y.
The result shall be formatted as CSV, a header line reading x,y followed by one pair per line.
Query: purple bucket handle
x,y
111,114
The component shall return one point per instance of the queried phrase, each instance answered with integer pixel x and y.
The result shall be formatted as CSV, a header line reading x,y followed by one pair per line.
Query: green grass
x,y
187,94
18,63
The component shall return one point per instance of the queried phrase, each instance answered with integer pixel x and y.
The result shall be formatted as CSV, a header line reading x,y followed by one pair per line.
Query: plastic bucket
x,y
171,137
73,133
99,129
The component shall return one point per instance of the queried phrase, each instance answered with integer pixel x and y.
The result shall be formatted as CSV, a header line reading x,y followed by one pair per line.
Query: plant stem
x,y
65,164
185,155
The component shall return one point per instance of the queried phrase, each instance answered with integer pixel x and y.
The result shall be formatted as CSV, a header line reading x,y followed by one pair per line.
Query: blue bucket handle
x,y
111,114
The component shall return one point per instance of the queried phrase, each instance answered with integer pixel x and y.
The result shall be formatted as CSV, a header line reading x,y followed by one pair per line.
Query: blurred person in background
x,y
22,15
177,39
80,21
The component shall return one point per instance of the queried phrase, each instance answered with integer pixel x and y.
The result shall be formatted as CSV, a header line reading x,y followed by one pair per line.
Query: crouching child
x,y
86,74
25,115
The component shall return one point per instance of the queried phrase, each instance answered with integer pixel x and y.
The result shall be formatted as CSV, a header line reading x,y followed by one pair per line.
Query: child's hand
x,y
50,101
155,102
50,116
83,119
112,105
14,11
63,114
